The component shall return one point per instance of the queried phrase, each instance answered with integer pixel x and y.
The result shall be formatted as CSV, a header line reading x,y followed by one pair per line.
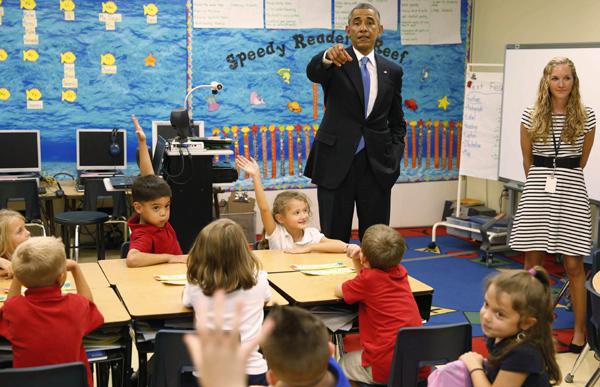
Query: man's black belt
x,y
561,162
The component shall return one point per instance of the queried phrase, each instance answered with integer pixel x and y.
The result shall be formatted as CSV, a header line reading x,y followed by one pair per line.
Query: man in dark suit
x,y
356,154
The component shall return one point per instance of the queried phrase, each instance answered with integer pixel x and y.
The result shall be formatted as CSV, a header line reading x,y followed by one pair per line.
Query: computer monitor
x,y
97,149
20,151
168,132
159,154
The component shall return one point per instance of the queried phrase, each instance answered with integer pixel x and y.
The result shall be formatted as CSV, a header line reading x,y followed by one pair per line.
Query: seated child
x,y
44,326
386,303
153,240
298,351
286,226
12,234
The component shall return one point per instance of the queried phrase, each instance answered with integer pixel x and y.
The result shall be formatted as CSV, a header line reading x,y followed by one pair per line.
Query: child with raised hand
x,y
286,226
516,318
12,234
221,259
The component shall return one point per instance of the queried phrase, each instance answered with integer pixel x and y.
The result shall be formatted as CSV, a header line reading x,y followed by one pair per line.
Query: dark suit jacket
x,y
344,122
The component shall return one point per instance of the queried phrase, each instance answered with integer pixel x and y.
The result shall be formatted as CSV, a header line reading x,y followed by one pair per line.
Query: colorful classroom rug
x,y
458,281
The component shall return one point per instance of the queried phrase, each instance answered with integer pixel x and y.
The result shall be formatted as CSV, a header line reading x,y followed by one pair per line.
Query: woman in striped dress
x,y
557,134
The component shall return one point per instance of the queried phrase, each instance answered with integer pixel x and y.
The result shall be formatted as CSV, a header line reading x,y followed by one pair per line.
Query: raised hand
x,y
250,166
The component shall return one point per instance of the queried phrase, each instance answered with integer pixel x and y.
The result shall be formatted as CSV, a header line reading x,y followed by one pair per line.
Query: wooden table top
x,y
91,271
111,307
308,290
276,261
147,298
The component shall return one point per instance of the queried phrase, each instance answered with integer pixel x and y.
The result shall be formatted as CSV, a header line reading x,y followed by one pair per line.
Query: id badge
x,y
550,184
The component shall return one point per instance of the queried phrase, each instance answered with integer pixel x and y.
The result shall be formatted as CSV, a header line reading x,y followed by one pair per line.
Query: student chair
x,y
124,250
68,374
94,191
418,347
173,366
23,191
593,337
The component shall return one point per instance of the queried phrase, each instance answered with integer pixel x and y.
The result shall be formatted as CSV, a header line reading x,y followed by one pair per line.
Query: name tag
x,y
550,184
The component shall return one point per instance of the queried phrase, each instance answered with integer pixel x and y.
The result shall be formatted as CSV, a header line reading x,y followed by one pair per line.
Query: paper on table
x,y
177,277
318,267
328,272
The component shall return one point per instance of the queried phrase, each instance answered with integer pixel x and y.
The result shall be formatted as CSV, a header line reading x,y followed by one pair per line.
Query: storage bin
x,y
460,222
478,221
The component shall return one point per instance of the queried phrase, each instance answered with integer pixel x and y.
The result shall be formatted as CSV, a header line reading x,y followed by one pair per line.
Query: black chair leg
x,y
64,233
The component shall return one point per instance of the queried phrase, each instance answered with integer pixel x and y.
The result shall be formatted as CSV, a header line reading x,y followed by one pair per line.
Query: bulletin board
x,y
134,58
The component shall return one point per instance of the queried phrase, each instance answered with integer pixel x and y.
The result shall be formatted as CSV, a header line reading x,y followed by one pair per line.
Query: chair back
x,y
21,190
95,189
124,250
170,355
68,374
593,326
417,347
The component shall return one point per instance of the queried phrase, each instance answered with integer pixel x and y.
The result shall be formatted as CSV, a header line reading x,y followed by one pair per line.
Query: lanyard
x,y
556,146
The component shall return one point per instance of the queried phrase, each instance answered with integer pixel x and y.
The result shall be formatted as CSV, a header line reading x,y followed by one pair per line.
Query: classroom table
x,y
91,271
307,290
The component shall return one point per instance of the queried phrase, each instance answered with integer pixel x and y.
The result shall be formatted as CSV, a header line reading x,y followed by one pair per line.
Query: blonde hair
x,y
297,351
221,259
531,297
281,204
39,261
575,117
7,217
383,246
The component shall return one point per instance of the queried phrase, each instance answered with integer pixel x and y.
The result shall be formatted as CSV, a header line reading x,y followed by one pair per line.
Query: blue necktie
x,y
366,79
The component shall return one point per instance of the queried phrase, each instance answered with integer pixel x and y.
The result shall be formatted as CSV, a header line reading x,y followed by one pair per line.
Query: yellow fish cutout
x,y
109,7
150,9
66,5
69,95
4,93
285,74
34,94
67,57
3,55
30,55
28,4
107,59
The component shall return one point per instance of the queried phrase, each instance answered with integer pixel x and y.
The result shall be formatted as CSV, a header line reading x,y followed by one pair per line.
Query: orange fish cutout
x,y
411,104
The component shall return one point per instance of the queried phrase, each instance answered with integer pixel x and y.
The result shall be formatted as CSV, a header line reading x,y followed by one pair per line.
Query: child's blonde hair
x,y
531,297
7,217
221,259
39,261
281,204
383,246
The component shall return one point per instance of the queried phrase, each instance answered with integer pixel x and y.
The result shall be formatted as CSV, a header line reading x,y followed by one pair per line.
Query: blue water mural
x,y
258,92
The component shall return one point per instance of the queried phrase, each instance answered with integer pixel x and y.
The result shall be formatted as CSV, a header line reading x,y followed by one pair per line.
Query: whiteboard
x,y
523,68
481,125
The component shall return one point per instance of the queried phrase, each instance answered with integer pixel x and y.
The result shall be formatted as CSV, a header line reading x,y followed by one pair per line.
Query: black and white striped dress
x,y
558,222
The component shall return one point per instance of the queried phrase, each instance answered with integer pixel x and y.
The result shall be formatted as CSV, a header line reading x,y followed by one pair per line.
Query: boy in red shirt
x,y
44,326
386,303
153,240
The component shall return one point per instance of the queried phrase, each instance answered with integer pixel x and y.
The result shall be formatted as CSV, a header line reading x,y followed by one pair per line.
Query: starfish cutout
x,y
150,60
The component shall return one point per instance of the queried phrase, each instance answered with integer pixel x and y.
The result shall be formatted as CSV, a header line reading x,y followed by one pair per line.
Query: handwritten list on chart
x,y
388,9
287,14
228,13
430,22
481,129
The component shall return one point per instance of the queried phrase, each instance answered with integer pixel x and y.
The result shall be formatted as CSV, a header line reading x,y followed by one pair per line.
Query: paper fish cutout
x,y
69,95
67,57
255,99
411,104
3,55
4,93
107,59
294,106
34,94
31,55
424,73
109,7
28,4
150,9
66,5
285,74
